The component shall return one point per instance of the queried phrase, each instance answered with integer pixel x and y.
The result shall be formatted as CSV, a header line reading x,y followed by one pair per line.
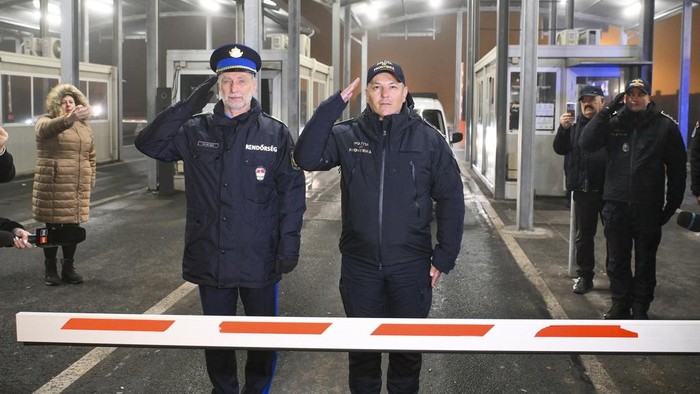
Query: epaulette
x,y
669,116
273,118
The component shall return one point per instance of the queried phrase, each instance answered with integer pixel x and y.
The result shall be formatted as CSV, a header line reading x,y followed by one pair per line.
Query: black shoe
x,y
618,311
639,311
51,273
583,285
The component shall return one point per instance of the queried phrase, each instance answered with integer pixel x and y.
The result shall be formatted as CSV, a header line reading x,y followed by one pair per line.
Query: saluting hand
x,y
347,93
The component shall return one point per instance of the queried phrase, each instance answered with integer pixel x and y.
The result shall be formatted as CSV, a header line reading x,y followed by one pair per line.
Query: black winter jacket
x,y
695,161
9,225
645,149
585,171
392,171
7,167
245,198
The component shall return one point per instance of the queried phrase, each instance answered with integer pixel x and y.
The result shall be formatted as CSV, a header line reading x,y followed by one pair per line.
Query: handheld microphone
x,y
689,220
45,237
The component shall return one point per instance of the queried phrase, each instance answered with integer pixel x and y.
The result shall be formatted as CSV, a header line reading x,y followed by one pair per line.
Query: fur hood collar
x,y
53,99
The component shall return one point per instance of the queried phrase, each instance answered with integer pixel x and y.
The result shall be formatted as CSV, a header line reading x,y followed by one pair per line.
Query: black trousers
x,y
401,290
221,363
587,208
629,226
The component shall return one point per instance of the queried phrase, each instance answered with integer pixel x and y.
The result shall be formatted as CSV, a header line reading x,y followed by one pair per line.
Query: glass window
x,y
16,99
545,101
42,87
97,95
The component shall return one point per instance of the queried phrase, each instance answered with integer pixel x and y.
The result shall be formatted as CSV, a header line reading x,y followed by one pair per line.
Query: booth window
x,y
16,99
41,88
97,95
545,101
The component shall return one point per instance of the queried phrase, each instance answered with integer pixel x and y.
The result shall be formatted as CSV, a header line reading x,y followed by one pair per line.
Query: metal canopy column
x,y
647,40
684,91
117,61
502,28
471,51
528,91
253,24
160,174
70,36
293,84
335,23
347,49
458,70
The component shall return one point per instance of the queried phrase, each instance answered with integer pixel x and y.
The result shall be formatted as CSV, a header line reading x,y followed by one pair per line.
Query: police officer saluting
x,y
393,166
245,202
644,185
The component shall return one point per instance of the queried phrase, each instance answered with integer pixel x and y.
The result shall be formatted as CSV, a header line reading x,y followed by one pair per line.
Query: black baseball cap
x,y
590,91
386,66
640,84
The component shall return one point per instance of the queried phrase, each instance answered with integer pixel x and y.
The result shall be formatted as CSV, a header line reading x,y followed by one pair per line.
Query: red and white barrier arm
x,y
351,334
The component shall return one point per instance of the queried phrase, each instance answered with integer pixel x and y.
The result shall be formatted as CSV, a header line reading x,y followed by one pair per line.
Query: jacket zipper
x,y
415,186
381,195
632,149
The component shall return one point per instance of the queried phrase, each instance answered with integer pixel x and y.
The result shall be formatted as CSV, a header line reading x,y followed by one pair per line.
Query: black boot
x,y
619,310
51,273
639,311
68,273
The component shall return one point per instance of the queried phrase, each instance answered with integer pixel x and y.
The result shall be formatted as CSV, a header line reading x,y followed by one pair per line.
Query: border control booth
x,y
561,71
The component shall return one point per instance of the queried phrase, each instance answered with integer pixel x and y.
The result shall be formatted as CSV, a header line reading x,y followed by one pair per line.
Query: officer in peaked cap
x,y
245,199
235,57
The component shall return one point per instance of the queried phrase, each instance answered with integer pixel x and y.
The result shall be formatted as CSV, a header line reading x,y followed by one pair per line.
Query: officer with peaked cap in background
x,y
644,185
245,202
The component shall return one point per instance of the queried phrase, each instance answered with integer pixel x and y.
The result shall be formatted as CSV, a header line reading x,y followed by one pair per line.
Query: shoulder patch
x,y
669,116
293,162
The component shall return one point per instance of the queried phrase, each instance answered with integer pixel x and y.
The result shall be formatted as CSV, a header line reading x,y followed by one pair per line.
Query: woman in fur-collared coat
x,y
65,173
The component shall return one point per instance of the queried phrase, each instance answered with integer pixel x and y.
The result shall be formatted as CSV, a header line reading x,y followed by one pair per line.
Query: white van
x,y
429,108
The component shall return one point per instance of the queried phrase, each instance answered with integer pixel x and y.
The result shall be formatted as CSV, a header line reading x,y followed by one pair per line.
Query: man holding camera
x,y
585,173
644,185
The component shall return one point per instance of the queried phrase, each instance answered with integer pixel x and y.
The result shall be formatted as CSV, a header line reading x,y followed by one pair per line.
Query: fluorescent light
x,y
210,5
435,3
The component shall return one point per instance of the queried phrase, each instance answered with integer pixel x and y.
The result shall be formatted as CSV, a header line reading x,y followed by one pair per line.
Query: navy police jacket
x,y
646,157
392,171
245,196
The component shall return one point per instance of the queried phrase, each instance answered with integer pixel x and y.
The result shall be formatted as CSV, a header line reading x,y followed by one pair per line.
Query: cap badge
x,y
625,147
638,83
235,52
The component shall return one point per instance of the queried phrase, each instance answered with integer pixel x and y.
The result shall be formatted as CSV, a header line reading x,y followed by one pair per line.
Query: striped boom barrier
x,y
365,334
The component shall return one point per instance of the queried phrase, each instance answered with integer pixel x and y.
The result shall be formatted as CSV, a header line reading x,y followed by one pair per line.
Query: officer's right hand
x,y
566,120
347,93
201,95
285,265
617,103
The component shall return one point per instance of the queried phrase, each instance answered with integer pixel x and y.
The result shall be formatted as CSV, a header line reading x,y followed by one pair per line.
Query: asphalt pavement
x,y
131,264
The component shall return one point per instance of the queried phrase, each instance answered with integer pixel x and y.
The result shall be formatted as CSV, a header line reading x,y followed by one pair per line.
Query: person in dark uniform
x,y
695,162
585,173
7,164
644,185
394,165
245,202
7,173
